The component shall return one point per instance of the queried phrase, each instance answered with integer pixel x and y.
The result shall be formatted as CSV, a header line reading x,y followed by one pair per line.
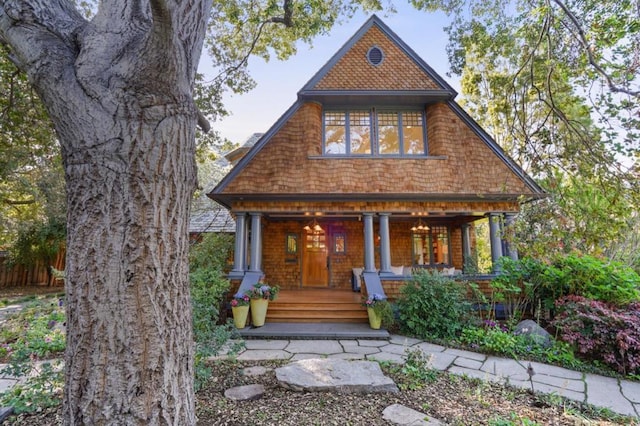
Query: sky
x,y
278,82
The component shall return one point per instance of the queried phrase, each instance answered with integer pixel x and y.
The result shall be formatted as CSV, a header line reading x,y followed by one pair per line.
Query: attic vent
x,y
375,56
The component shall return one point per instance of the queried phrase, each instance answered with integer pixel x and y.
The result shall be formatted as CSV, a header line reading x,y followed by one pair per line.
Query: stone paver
x,y
466,354
476,374
506,368
373,343
364,350
317,375
263,354
429,347
386,356
467,363
326,347
265,344
441,361
552,370
631,390
605,392
395,349
402,340
398,414
348,356
559,382
245,393
562,391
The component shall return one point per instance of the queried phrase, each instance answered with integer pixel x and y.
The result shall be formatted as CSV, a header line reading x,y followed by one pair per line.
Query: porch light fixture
x,y
420,227
313,227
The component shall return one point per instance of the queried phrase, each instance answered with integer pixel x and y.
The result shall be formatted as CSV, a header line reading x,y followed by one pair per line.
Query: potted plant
x,y
260,295
240,309
379,311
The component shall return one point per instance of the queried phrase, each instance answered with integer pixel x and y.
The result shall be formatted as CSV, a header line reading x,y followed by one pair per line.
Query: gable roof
x,y
320,89
419,79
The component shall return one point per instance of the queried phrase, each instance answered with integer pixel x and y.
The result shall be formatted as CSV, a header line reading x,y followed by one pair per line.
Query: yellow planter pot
x,y
240,314
259,311
375,320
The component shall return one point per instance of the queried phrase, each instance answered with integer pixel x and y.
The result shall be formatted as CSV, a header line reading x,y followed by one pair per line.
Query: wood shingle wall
x,y
396,72
459,163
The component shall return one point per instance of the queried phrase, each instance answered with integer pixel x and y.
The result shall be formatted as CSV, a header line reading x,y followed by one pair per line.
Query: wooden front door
x,y
315,271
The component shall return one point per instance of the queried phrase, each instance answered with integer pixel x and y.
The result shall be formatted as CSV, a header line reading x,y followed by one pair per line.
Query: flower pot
x,y
375,320
240,314
259,311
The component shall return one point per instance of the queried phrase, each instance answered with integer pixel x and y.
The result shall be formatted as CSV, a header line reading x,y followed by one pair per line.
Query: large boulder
x,y
336,375
536,334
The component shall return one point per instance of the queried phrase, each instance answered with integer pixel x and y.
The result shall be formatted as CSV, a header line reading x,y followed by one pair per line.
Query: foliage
x,y
516,286
208,290
601,331
263,291
211,251
498,339
416,370
31,177
28,336
432,305
589,277
555,84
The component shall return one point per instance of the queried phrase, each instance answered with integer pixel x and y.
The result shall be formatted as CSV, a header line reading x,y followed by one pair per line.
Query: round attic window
x,y
375,56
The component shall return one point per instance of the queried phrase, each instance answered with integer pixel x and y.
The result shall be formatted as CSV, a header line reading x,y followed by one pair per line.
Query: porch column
x,y
510,251
466,244
385,244
495,240
256,242
369,254
240,247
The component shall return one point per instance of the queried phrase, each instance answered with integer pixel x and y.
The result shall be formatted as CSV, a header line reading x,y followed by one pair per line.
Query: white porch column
x,y
510,251
369,254
240,246
385,244
495,239
256,242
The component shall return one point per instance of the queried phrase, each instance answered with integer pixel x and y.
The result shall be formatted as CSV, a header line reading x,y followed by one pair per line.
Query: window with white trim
x,y
377,132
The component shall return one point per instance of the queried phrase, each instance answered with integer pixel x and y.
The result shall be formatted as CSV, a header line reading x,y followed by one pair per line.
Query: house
x,y
374,168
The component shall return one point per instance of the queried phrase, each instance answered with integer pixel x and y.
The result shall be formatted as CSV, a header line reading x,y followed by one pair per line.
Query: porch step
x,y
317,306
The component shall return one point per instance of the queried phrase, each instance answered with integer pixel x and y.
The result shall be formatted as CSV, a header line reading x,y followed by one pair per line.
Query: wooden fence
x,y
24,276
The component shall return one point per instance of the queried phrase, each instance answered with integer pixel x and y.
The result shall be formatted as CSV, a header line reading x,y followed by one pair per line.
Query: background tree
x,y
557,83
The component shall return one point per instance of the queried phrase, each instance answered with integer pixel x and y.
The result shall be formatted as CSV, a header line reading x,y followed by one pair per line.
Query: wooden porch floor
x,y
317,305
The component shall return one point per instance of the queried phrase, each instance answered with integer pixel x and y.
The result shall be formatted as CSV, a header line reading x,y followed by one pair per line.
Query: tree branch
x,y
589,52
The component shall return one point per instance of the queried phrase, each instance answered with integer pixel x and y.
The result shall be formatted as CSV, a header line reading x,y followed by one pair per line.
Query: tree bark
x,y
118,89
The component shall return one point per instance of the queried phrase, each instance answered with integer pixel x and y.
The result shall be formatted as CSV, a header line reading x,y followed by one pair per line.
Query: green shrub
x,y
209,287
433,305
589,277
516,286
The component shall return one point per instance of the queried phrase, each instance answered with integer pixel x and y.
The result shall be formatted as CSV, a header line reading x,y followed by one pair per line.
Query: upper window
x,y
373,131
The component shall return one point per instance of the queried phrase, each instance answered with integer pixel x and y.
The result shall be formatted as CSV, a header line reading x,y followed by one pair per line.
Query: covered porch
x,y
319,248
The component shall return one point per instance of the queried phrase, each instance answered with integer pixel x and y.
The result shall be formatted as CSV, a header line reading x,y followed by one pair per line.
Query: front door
x,y
315,271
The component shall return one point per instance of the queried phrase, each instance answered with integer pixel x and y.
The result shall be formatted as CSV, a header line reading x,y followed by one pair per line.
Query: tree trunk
x,y
129,356
119,90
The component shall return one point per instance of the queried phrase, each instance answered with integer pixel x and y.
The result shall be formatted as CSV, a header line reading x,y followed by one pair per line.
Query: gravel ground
x,y
451,399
